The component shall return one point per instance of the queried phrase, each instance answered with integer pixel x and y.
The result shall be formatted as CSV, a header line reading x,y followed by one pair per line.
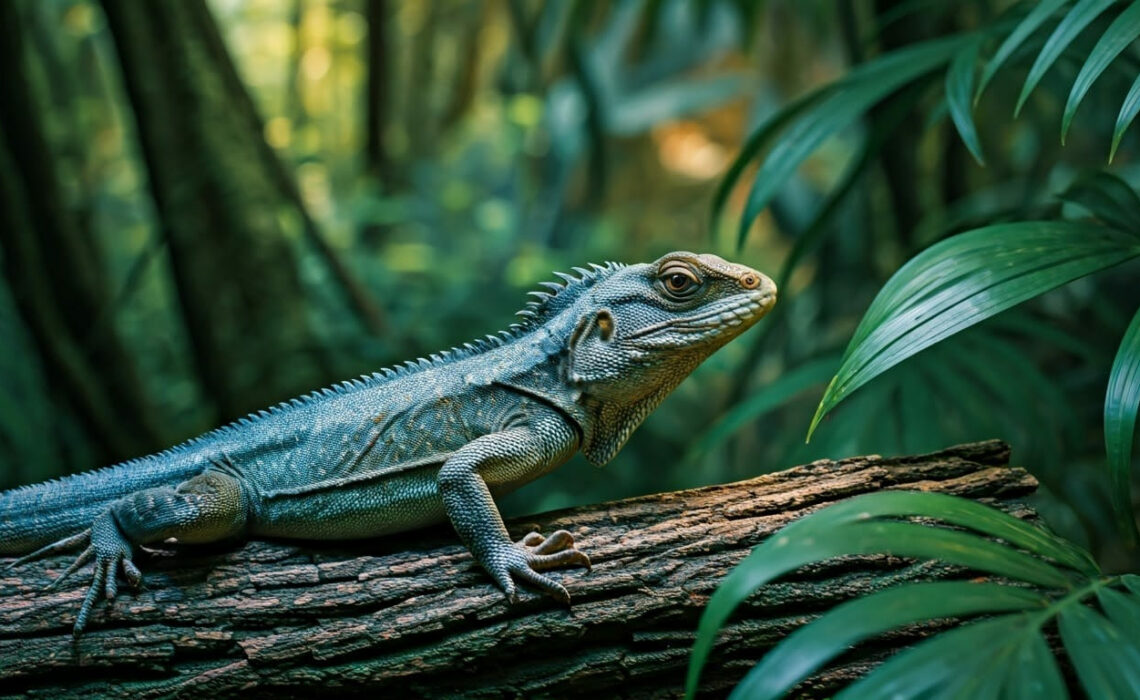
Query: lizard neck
x,y
605,423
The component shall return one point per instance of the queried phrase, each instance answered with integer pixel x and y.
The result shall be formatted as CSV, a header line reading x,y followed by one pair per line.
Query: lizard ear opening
x,y
590,358
605,324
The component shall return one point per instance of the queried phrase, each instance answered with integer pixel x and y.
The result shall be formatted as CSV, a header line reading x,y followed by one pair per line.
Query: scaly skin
x,y
432,440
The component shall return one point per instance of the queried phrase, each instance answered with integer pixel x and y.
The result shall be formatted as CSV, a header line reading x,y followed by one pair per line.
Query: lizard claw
x,y
530,555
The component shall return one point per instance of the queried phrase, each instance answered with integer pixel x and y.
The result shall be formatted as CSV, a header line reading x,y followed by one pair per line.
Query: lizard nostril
x,y
750,280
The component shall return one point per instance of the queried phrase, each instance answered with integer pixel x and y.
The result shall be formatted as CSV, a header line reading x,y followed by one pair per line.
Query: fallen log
x,y
413,616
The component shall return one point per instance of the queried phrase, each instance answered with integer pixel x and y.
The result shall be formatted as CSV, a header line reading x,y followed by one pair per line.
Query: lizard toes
x,y
544,583
80,561
532,539
67,544
558,541
111,588
132,573
565,557
98,584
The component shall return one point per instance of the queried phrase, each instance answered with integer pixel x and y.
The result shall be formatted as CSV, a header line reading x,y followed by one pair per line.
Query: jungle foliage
x,y
209,207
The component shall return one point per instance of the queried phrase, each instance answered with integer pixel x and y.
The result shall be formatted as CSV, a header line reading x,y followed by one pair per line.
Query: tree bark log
x,y
413,616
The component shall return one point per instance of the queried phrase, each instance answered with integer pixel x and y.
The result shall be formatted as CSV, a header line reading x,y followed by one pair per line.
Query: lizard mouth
x,y
737,311
731,316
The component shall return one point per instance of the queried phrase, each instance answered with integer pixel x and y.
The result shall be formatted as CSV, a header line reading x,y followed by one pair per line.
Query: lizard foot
x,y
524,560
110,550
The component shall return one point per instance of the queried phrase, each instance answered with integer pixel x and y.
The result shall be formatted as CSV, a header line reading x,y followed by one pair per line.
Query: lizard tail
x,y
39,514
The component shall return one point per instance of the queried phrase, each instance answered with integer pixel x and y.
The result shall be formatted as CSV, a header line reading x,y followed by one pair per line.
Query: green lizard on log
x,y
435,439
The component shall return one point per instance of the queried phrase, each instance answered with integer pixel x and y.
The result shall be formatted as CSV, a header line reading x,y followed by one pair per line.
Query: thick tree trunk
x,y
55,270
413,616
220,208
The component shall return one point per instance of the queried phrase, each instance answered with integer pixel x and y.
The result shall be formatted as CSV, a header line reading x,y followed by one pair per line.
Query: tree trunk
x,y
54,268
219,206
413,616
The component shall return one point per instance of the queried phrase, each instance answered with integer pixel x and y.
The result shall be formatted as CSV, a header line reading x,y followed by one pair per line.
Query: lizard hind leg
x,y
208,507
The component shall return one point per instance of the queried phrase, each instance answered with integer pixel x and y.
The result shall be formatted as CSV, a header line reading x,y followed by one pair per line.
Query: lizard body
x,y
432,440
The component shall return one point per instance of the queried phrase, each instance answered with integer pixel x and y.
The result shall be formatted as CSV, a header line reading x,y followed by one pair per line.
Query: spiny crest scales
x,y
548,304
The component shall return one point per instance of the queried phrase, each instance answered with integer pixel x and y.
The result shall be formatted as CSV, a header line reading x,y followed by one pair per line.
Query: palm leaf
x,y
1122,32
757,142
882,131
1107,663
855,526
1128,112
1076,20
1121,402
1005,656
1025,29
964,280
812,646
844,103
959,89
1108,198
1124,611
945,665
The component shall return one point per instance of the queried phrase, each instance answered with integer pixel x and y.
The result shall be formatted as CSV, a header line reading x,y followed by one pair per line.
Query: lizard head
x,y
646,327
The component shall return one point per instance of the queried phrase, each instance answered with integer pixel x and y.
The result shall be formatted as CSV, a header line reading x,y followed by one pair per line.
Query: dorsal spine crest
x,y
546,305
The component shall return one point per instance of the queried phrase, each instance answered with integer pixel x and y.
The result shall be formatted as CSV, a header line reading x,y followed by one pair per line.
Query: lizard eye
x,y
679,281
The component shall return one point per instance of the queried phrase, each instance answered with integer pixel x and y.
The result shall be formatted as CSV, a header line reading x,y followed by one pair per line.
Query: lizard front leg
x,y
208,507
513,456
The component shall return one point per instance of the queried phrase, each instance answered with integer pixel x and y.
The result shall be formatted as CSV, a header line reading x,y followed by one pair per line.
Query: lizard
x,y
432,440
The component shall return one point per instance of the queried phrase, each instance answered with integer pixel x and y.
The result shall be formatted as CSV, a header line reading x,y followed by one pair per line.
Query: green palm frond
x,y
1120,408
1041,579
964,280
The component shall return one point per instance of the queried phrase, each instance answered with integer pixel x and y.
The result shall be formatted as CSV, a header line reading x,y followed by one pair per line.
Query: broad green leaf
x,y
1128,112
959,89
756,143
810,647
881,133
930,665
1084,12
1041,12
1033,672
849,527
966,279
1124,612
773,396
1109,198
1121,402
1122,32
787,551
1107,664
845,103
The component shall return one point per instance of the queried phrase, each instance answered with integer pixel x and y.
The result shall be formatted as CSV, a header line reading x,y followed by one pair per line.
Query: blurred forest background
x,y
209,207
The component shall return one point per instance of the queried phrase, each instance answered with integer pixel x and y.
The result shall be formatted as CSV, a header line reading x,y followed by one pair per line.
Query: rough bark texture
x,y
412,615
